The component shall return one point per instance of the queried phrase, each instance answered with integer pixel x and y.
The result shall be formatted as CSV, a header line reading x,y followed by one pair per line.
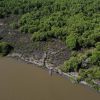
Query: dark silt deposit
x,y
55,50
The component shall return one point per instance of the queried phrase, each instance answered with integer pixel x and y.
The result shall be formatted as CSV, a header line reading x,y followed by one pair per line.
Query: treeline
x,y
77,22
17,7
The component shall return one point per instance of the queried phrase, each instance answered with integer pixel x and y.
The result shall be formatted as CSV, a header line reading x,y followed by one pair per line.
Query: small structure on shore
x,y
44,59
50,71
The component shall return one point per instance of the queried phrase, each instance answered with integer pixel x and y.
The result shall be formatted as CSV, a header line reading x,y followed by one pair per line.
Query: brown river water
x,y
21,81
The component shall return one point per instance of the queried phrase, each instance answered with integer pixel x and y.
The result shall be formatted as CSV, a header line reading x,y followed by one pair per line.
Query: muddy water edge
x,y
21,81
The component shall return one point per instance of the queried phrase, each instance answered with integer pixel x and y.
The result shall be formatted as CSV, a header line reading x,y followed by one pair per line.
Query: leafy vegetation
x,y
5,48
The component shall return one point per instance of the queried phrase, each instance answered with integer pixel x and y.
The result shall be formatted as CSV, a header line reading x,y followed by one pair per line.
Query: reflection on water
x,y
19,81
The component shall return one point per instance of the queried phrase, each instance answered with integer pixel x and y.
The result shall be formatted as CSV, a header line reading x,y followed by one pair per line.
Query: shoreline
x,y
39,62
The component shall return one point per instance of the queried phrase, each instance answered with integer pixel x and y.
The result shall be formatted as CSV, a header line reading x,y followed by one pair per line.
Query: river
x,y
21,81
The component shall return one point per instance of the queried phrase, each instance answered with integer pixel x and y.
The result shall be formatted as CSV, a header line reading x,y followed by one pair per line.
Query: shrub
x,y
13,25
97,46
95,58
71,65
39,36
91,73
5,48
24,29
71,41
91,40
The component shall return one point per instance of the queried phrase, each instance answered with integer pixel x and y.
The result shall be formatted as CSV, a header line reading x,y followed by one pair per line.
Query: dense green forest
x,y
76,22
